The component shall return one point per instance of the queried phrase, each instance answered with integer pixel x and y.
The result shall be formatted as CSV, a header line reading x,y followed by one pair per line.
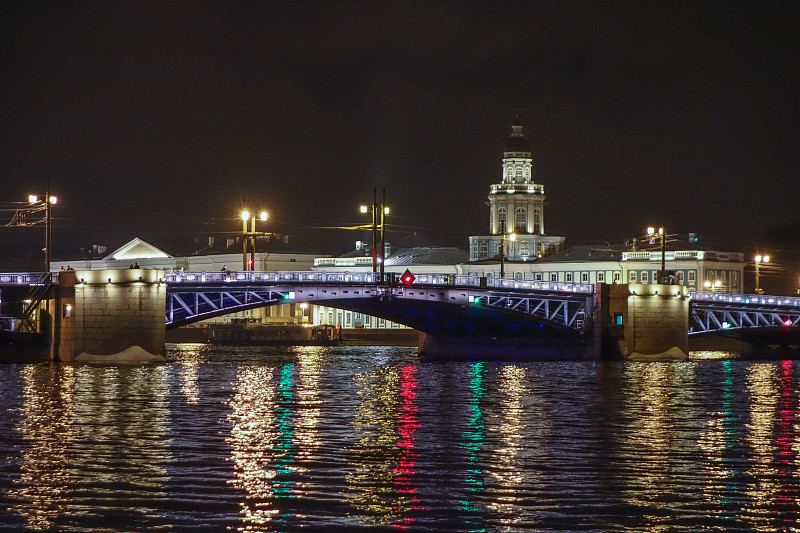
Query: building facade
x,y
516,209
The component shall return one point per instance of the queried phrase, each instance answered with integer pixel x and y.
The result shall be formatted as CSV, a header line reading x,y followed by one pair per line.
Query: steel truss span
x,y
712,312
194,296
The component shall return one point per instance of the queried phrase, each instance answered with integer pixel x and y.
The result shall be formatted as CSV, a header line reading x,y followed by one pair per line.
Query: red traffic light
x,y
407,278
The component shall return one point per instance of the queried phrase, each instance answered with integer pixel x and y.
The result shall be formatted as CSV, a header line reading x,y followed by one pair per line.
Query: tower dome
x,y
517,144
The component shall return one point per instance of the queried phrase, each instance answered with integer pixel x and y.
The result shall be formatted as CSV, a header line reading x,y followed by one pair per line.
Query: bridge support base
x,y
104,312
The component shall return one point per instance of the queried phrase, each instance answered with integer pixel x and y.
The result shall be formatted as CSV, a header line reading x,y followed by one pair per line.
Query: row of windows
x,y
633,276
602,277
520,218
481,249
350,319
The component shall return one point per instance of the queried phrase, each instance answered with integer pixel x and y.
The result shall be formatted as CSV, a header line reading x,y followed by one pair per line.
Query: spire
x,y
517,144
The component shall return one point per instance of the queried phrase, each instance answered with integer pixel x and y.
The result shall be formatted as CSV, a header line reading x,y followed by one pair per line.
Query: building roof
x,y
428,255
601,252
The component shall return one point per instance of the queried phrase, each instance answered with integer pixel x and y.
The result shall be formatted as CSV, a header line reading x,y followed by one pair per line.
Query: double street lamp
x,y
379,212
250,238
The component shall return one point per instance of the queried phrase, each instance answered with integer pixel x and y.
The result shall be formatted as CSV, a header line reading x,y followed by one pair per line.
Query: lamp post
x,y
384,212
245,218
373,209
511,237
651,232
47,202
758,260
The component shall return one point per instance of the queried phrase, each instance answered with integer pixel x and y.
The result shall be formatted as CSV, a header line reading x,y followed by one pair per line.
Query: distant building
x,y
516,209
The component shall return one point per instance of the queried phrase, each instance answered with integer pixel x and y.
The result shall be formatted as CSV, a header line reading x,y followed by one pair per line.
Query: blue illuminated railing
x,y
294,276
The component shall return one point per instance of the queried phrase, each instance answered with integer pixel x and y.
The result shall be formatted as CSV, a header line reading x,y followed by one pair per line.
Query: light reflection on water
x,y
262,439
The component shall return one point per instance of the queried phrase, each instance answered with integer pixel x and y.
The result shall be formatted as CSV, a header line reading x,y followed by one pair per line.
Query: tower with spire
x,y
516,209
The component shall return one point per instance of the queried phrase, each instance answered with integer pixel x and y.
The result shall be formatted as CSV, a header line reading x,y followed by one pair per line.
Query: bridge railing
x,y
745,299
296,276
25,278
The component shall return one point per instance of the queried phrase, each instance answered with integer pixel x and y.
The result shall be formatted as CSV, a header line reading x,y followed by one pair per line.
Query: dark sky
x,y
154,117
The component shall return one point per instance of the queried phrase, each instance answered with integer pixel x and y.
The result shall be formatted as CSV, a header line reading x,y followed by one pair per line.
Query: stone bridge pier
x,y
103,312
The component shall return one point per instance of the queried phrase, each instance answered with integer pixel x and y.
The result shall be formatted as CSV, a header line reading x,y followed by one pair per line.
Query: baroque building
x,y
516,209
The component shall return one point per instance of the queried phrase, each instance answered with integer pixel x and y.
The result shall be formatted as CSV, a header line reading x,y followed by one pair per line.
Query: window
x,y
520,220
474,248
692,276
484,249
646,277
616,277
538,276
734,277
569,277
517,275
632,276
537,220
553,276
601,277
519,174
680,277
584,277
501,216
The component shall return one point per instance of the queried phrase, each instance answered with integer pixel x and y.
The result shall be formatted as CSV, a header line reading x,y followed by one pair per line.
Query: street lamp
x,y
379,212
758,260
713,286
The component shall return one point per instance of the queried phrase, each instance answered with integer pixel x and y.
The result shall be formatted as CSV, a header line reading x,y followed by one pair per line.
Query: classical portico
x,y
516,209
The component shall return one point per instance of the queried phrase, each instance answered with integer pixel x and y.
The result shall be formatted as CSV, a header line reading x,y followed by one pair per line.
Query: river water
x,y
370,438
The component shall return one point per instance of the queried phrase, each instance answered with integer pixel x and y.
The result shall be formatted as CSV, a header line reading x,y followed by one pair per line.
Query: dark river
x,y
366,438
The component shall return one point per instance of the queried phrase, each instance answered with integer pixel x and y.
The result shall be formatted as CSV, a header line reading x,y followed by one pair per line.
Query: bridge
x,y
461,310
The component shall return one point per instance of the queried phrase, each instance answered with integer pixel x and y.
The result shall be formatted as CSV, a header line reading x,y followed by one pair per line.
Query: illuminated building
x,y
516,209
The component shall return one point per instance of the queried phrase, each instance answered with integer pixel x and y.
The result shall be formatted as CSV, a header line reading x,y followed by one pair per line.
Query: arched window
x,y
518,174
474,251
484,249
521,220
501,218
537,220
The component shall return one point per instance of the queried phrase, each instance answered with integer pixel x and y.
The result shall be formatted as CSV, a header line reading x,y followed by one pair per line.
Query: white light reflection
x,y
254,436
190,356
507,472
762,387
46,475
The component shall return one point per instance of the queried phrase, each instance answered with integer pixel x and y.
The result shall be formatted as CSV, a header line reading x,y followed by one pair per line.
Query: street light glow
x,y
245,215
364,208
264,216
32,198
386,210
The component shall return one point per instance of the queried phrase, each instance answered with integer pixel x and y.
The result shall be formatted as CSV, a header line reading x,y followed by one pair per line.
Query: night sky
x,y
155,118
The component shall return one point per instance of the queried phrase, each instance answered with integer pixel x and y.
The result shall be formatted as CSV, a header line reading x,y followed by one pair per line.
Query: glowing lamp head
x,y
264,216
245,215
385,210
53,200
32,198
766,259
513,237
364,208
651,230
